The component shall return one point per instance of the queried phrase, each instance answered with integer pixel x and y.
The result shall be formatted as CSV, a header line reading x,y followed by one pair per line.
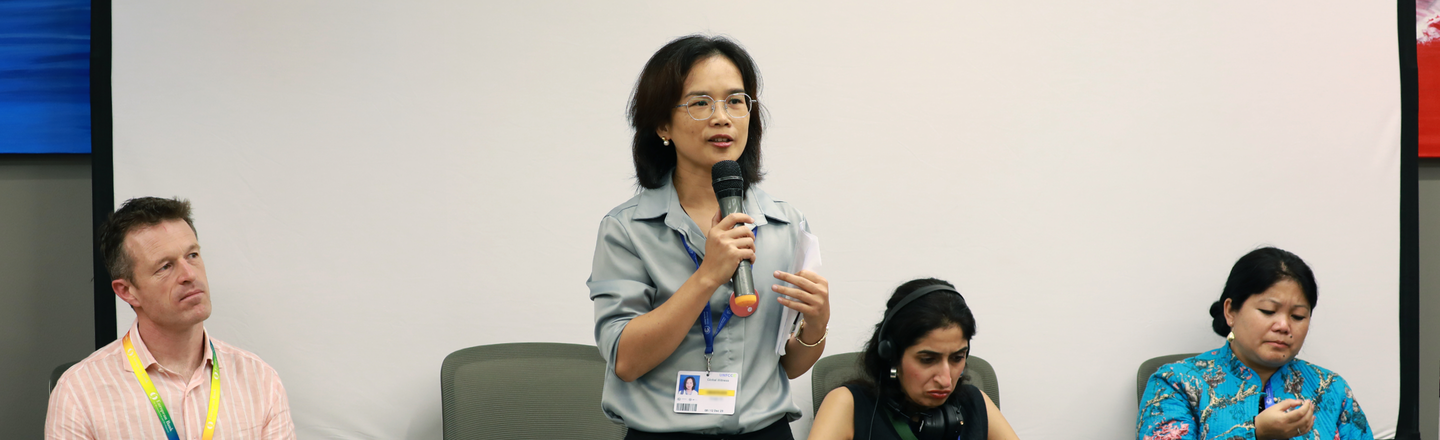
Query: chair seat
x,y
1152,365
525,391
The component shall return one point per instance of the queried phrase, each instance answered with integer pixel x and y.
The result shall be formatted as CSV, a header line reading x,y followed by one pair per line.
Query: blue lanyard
x,y
1269,399
705,325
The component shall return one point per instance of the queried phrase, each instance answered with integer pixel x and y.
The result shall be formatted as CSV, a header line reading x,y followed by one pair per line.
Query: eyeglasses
x,y
702,107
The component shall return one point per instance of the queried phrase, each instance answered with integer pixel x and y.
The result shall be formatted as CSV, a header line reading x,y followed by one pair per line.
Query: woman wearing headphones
x,y
911,388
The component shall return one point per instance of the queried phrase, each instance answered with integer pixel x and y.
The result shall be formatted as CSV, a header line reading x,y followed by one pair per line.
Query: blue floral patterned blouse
x,y
1213,396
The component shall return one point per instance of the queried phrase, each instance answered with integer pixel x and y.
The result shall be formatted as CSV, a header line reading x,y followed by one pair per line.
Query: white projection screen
x,y
378,184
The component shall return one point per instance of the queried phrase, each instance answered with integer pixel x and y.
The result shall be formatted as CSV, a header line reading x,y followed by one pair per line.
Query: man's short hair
x,y
137,213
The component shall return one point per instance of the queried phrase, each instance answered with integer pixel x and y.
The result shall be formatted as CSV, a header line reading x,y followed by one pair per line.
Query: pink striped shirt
x,y
100,399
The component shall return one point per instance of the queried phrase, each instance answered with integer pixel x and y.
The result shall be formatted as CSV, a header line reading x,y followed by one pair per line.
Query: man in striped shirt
x,y
188,385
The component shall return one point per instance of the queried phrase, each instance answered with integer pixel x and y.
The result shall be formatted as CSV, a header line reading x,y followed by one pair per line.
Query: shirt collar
x,y
148,359
1239,369
665,201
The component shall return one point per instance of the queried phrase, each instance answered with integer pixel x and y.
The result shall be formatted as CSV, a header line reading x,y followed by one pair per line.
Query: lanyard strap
x,y
1269,398
705,325
709,330
901,427
160,411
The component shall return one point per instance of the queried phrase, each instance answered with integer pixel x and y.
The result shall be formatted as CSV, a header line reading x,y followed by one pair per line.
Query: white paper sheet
x,y
807,257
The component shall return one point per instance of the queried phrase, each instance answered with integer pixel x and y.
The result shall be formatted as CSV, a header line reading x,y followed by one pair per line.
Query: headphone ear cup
x,y
886,351
954,419
934,424
945,422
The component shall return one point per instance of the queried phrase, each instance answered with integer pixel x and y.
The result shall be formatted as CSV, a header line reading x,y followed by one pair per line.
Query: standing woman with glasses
x,y
660,280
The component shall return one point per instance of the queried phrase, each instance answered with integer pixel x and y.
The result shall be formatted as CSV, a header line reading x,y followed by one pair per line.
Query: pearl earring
x,y
894,374
665,141
1230,337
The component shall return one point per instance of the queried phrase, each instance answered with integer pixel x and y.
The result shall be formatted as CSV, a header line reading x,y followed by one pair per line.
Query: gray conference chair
x,y
1149,367
525,391
833,371
59,371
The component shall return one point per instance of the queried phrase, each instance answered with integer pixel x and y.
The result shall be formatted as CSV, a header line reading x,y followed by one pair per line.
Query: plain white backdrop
x,y
377,184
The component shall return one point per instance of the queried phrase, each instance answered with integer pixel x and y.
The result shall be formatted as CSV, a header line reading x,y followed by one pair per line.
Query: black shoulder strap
x,y
977,420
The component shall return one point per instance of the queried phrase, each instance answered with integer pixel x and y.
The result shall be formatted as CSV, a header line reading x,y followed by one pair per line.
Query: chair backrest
x,y
833,371
59,371
1149,367
525,391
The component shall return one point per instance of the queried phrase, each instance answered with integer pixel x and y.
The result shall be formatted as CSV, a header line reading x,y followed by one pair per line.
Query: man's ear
x,y
125,291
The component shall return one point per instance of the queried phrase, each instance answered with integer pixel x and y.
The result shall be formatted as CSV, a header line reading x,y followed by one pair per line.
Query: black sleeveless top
x,y
872,423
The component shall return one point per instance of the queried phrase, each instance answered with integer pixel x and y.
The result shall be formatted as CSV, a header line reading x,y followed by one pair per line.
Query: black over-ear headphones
x,y
946,421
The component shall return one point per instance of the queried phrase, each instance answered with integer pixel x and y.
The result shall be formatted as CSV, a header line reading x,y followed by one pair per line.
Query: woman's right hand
x,y
652,337
1287,419
726,245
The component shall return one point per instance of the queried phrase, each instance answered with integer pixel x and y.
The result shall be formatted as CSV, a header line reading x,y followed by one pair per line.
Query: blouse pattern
x,y
1214,396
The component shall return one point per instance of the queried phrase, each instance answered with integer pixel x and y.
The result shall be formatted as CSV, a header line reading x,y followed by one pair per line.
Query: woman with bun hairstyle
x,y
660,279
1254,386
911,386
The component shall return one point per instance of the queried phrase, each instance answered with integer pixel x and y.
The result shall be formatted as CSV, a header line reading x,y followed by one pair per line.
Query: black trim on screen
x,y
102,161
1407,423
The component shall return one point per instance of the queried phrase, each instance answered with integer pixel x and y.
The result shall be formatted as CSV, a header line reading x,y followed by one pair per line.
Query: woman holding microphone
x,y
664,259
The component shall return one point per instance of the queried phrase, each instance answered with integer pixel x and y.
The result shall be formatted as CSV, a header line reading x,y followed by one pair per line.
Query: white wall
x,y
378,184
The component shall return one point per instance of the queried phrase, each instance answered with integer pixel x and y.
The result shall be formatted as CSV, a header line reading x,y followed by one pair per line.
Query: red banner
x,y
1427,60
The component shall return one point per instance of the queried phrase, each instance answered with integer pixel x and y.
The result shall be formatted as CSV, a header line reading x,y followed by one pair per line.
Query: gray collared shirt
x,y
639,262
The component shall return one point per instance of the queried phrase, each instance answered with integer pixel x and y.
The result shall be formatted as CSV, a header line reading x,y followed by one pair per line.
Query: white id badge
x,y
698,392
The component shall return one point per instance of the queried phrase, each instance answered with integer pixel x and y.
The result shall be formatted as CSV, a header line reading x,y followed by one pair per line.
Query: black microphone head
x,y
727,179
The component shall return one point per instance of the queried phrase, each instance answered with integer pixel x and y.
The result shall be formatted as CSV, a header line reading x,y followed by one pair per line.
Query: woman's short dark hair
x,y
1255,273
659,89
933,311
137,213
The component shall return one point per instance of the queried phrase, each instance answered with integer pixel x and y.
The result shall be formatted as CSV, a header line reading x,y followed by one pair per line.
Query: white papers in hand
x,y
807,257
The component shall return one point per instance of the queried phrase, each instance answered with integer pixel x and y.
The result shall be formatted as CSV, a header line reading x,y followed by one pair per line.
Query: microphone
x,y
729,188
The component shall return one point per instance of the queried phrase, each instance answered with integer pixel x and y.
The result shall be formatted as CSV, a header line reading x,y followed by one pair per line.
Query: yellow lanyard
x,y
160,411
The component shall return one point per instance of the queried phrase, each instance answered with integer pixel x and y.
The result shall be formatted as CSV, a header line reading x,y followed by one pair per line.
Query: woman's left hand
x,y
811,296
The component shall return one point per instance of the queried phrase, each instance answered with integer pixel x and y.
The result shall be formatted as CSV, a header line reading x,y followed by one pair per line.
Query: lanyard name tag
x,y
707,392
703,392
